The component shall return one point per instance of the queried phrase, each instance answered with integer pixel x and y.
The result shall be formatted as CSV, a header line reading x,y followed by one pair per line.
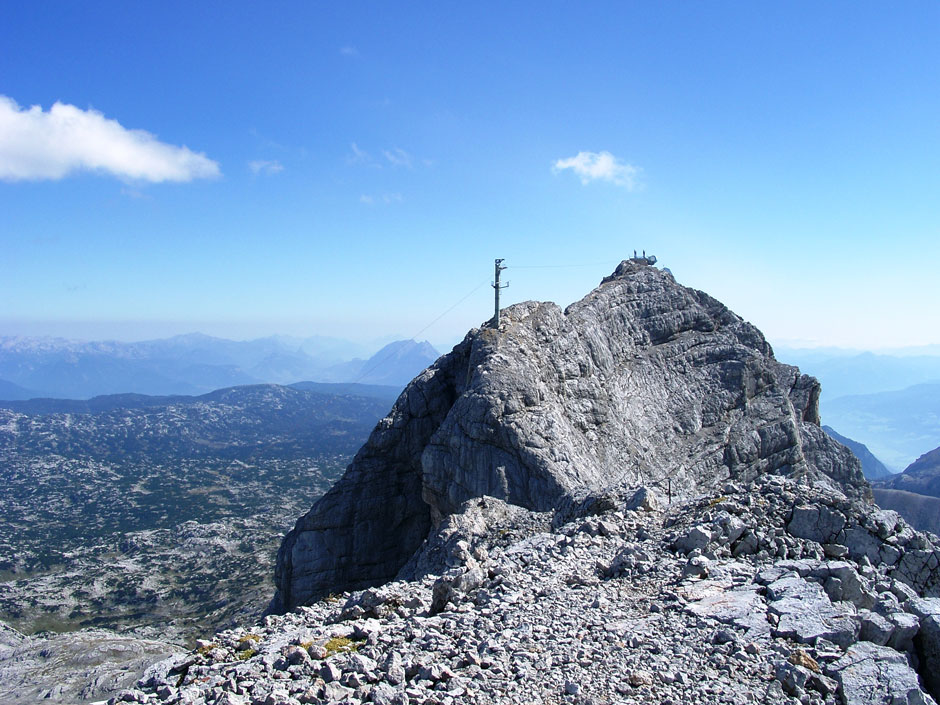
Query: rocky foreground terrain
x,y
770,592
643,382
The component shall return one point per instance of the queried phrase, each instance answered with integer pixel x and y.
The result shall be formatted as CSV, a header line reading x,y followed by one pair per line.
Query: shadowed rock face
x,y
641,382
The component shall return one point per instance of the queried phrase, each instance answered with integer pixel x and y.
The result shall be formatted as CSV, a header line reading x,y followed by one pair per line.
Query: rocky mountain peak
x,y
642,382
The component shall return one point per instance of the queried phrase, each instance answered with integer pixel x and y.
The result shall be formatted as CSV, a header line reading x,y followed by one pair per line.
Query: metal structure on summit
x,y
497,286
644,258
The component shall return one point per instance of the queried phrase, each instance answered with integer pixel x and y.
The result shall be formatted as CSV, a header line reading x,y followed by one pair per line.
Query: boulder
x,y
873,675
805,613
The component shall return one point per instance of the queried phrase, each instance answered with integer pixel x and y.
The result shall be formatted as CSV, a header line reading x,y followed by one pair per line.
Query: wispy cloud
x,y
358,156
600,166
265,167
37,145
349,51
265,142
398,157
385,199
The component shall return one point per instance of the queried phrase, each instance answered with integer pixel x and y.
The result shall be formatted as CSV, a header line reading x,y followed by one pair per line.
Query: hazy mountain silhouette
x,y
922,476
873,468
193,364
396,364
842,372
8,390
897,426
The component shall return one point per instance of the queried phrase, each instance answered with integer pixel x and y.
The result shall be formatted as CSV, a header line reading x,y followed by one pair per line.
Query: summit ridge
x,y
642,382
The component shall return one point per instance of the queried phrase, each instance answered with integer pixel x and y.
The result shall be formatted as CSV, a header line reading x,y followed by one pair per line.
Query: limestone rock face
x,y
642,382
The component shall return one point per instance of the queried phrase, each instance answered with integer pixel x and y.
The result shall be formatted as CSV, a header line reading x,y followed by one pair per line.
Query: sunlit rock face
x,y
642,382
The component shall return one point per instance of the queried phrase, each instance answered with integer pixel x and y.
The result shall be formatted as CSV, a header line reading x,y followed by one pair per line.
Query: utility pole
x,y
497,286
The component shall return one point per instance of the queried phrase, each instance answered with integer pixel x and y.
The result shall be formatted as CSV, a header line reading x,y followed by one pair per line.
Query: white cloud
x,y
398,157
349,51
266,167
37,145
600,166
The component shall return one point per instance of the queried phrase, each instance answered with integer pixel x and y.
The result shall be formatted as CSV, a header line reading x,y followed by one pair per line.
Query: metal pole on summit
x,y
497,286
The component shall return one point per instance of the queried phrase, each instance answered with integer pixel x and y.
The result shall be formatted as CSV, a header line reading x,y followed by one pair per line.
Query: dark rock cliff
x,y
643,381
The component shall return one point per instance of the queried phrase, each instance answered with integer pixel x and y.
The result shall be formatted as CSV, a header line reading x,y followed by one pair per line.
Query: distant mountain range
x,y
922,476
888,401
194,364
228,423
110,402
844,373
396,363
8,390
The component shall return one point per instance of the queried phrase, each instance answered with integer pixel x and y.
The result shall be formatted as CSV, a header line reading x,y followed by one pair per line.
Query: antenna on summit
x,y
497,286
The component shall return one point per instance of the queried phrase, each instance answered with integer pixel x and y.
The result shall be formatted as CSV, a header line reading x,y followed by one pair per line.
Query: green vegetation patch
x,y
341,644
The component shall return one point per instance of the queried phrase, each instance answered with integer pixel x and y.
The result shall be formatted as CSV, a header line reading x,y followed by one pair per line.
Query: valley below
x,y
162,522
176,582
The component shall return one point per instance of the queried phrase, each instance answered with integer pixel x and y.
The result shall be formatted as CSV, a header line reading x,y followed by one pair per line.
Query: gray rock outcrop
x,y
73,667
642,382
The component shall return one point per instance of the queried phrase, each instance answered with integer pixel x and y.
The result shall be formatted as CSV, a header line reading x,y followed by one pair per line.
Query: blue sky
x,y
352,169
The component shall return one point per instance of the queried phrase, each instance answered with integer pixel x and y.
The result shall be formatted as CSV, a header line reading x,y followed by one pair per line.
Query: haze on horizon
x,y
353,171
